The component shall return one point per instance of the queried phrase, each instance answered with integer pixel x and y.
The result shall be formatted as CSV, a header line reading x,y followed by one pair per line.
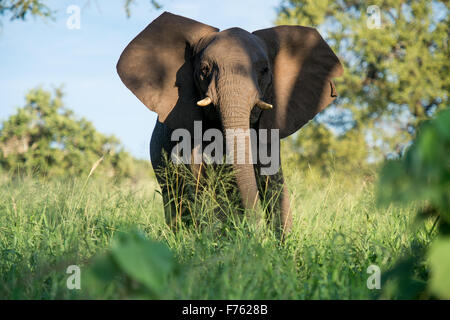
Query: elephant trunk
x,y
237,136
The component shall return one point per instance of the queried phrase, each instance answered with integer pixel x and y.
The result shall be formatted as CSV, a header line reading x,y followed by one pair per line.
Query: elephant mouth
x,y
210,107
255,114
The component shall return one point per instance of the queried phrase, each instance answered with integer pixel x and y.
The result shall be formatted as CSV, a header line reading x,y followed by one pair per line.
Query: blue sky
x,y
47,53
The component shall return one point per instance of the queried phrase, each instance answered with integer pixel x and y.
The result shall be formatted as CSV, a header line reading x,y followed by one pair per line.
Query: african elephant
x,y
275,78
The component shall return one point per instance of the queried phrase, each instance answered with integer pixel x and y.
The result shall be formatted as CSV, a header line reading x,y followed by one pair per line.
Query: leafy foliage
x,y
134,260
422,176
45,137
395,76
20,9
317,147
439,258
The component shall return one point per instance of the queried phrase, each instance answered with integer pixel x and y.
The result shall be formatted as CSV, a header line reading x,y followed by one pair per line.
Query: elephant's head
x,y
276,78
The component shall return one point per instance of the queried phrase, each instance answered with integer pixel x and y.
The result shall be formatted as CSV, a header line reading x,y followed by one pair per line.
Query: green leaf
x,y
104,268
439,258
148,262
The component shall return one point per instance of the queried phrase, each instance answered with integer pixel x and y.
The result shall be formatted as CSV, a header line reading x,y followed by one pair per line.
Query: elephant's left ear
x,y
303,67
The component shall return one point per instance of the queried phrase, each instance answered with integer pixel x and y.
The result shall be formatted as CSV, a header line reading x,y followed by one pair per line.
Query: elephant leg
x,y
275,200
285,211
169,203
166,173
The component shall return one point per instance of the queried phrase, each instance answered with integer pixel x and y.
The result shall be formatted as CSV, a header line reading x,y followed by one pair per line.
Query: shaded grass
x,y
338,232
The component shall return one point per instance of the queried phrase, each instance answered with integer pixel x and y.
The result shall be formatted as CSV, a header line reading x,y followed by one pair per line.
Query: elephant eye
x,y
204,70
265,78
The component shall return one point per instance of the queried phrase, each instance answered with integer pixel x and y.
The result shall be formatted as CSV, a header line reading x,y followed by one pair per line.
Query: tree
x,y
155,4
21,9
422,177
316,146
396,76
46,138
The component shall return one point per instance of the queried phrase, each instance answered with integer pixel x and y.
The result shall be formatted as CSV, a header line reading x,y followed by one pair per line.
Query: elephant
x,y
276,79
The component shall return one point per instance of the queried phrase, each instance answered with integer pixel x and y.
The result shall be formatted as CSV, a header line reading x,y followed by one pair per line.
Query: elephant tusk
x,y
205,102
263,105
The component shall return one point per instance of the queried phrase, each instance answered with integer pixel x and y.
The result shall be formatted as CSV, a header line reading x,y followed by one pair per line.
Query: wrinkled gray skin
x,y
274,189
176,61
234,81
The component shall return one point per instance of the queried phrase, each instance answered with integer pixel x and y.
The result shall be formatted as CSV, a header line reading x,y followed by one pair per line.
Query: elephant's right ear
x,y
156,66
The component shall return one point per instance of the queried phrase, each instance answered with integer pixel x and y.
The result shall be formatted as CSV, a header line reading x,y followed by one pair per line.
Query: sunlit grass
x,y
338,232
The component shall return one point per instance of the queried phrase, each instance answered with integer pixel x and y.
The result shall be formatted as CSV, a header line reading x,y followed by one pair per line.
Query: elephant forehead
x,y
235,43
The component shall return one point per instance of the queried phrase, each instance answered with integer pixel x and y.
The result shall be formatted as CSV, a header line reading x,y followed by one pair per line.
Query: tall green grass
x,y
47,225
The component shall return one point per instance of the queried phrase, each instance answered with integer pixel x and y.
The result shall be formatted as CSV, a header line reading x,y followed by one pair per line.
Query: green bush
x,y
422,176
316,147
44,137
138,265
